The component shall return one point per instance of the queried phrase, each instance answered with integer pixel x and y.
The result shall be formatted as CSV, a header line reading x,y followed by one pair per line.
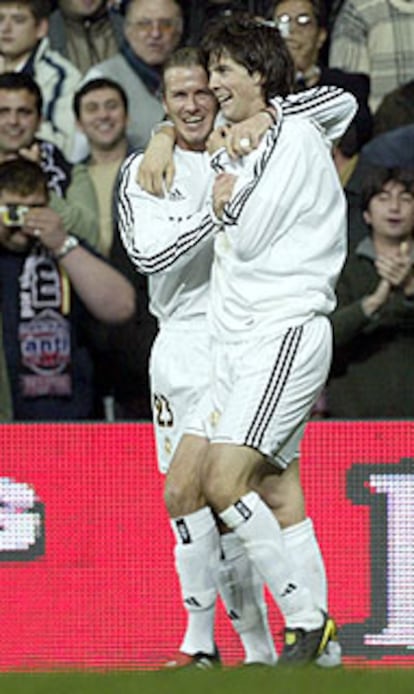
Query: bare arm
x,y
104,291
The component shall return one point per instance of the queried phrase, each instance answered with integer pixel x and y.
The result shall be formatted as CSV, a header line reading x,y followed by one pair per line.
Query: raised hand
x,y
156,171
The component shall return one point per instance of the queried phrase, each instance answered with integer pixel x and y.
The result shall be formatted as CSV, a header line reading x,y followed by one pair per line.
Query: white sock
x,y
242,591
301,542
197,555
262,537
302,545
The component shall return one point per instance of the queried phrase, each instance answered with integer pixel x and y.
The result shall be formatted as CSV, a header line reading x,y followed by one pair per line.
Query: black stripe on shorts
x,y
274,387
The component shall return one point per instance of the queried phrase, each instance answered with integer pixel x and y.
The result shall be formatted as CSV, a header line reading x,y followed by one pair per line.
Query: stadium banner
x,y
86,561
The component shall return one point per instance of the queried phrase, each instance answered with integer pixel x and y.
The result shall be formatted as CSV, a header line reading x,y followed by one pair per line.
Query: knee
x,y
180,497
289,515
214,484
286,501
173,498
182,492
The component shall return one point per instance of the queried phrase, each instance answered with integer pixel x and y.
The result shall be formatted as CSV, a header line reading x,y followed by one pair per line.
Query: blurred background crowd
x,y
80,90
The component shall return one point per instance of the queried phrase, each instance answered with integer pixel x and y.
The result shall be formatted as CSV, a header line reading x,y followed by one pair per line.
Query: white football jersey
x,y
171,238
282,241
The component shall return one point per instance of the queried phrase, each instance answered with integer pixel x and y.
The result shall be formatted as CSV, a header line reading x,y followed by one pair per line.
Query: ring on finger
x,y
245,143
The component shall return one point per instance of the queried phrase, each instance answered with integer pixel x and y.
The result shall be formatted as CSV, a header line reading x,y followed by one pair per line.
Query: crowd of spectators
x,y
80,89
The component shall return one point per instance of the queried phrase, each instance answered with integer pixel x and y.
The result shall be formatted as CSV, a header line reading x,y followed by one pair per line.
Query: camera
x,y
13,215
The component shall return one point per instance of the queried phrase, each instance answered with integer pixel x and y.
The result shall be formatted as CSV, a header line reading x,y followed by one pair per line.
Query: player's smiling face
x,y
190,104
238,92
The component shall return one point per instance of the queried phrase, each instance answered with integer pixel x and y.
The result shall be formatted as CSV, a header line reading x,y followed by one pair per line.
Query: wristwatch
x,y
67,246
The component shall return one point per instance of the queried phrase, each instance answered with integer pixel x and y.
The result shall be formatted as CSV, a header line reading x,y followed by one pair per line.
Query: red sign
x,y
86,550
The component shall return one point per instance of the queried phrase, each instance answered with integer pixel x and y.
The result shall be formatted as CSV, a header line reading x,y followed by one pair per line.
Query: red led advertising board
x,y
86,551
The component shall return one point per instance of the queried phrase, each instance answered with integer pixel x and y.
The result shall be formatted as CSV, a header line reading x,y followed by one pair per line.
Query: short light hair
x,y
187,56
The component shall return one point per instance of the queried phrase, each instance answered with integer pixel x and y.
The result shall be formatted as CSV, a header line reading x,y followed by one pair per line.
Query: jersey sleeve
x,y
154,236
332,108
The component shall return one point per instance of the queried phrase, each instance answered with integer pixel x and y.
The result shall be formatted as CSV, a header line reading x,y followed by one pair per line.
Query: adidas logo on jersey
x,y
176,194
289,589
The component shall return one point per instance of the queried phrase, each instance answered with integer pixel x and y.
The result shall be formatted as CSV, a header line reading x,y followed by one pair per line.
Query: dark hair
x,y
98,83
17,81
184,57
378,176
255,44
319,10
40,9
23,176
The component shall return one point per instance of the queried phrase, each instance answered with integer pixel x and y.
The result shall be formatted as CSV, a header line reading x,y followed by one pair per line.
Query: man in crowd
x,y
303,24
24,47
50,280
70,188
152,30
120,353
375,37
373,323
101,111
86,31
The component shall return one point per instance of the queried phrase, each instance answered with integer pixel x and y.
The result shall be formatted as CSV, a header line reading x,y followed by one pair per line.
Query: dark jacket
x,y
65,362
395,110
373,368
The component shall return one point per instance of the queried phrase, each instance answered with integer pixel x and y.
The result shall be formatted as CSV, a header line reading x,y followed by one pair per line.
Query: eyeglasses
x,y
146,26
302,21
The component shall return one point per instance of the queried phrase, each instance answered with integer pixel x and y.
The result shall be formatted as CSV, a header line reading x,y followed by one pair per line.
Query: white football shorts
x,y
262,391
179,375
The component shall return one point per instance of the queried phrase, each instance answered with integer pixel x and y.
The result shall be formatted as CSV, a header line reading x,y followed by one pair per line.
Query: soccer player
x,y
279,220
155,232
179,366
